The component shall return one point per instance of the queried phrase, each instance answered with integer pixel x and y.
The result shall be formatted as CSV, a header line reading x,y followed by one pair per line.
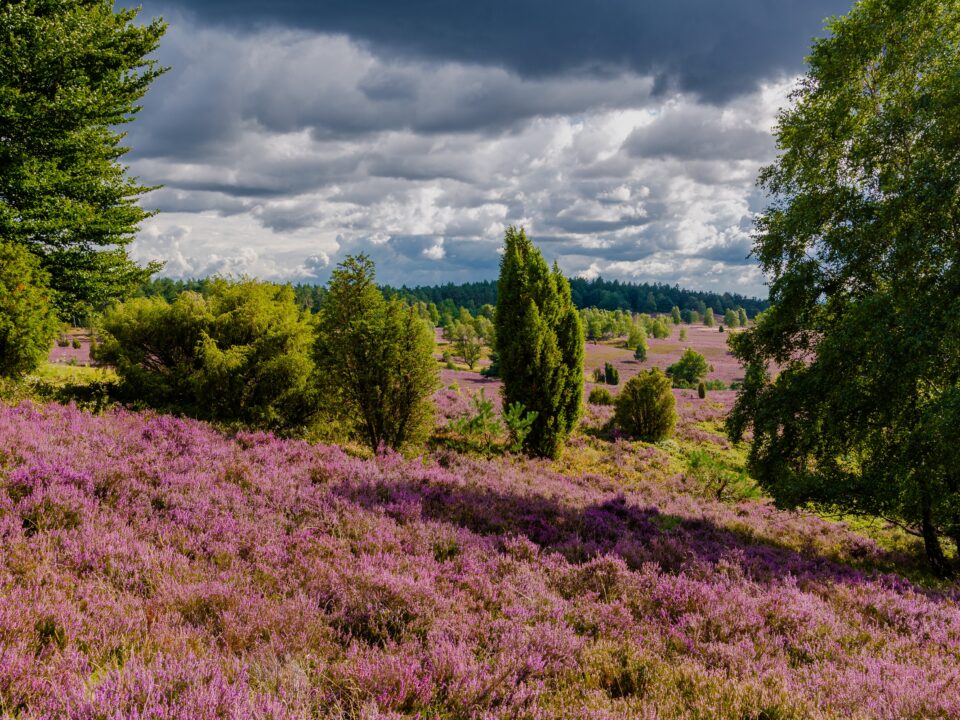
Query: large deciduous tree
x,y
539,344
71,73
862,247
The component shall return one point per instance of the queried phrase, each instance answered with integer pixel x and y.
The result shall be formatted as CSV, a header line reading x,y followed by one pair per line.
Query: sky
x,y
624,135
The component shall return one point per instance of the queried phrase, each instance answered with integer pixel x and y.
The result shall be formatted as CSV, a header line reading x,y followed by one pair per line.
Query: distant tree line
x,y
449,298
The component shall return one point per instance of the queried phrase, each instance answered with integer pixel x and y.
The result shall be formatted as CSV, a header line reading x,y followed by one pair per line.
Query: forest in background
x,y
450,297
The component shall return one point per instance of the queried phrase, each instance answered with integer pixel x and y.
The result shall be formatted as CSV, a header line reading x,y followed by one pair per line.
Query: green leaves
x,y
27,321
862,247
539,344
375,360
70,73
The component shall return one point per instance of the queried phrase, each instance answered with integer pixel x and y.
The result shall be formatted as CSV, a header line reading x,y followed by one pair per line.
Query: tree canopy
x,y
71,72
862,247
375,359
27,322
539,344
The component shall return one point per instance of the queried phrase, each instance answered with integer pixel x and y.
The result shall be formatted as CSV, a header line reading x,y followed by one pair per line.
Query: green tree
x,y
645,407
240,354
375,360
539,344
708,317
690,369
71,73
611,376
742,317
860,246
27,320
675,315
467,343
731,318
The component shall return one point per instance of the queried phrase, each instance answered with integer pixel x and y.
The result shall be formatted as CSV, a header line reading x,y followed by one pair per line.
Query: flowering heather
x,y
154,568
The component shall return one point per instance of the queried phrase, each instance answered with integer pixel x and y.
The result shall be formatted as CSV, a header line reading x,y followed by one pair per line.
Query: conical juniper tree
x,y
71,73
539,344
862,247
374,359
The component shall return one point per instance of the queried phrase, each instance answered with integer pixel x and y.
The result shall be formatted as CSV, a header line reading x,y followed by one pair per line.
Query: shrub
x,y
641,352
701,391
683,334
519,422
239,355
645,407
27,320
75,344
482,422
689,369
600,396
610,374
375,360
599,376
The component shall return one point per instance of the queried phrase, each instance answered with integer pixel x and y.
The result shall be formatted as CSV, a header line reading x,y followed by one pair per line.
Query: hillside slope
x,y
154,568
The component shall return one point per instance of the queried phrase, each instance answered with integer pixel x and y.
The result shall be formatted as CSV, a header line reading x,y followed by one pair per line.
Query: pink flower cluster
x,y
153,568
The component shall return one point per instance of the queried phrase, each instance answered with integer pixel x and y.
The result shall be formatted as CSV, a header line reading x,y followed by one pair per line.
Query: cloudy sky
x,y
625,135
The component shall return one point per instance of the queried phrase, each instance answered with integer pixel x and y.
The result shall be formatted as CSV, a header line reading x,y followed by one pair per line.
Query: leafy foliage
x,y
27,320
689,370
645,407
70,74
241,354
519,422
467,343
539,344
860,243
375,360
600,396
611,376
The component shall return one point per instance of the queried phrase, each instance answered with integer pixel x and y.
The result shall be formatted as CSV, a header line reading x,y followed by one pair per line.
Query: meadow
x,y
156,567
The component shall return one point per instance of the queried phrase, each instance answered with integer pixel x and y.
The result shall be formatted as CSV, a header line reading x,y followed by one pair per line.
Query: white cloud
x,y
297,149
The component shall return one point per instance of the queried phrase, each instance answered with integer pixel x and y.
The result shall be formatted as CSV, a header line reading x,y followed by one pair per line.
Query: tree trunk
x,y
931,544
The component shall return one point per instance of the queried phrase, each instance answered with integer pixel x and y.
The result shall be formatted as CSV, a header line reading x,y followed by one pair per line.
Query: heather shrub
x,y
645,407
27,320
611,376
241,354
689,369
600,396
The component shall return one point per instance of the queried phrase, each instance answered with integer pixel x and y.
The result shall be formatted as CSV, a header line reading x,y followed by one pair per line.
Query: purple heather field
x,y
153,567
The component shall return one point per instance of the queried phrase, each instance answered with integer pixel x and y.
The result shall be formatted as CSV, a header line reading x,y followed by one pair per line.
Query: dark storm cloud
x,y
716,49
